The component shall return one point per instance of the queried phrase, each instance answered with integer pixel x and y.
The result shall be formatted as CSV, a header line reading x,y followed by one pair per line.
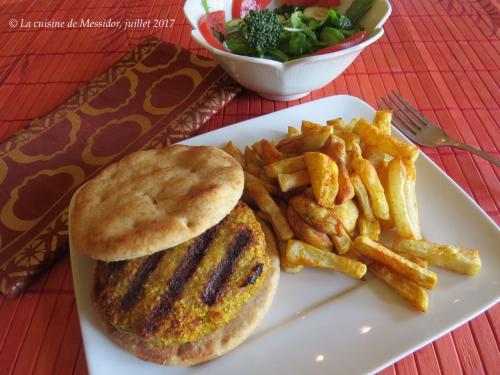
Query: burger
x,y
184,271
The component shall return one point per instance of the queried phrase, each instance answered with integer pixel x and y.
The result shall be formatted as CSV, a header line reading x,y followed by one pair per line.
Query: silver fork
x,y
420,130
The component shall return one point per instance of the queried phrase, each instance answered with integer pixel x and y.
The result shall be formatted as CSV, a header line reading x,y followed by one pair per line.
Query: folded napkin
x,y
156,95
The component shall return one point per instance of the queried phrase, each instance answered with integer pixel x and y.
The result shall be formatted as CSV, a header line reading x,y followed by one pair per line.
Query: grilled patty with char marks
x,y
181,294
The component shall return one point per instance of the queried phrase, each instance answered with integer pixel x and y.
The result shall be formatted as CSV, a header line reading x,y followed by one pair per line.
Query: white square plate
x,y
322,322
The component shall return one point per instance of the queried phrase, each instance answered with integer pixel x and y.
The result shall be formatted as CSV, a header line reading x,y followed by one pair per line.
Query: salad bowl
x,y
292,79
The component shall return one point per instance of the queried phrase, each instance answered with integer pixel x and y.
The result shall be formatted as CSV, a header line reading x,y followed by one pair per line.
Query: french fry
x,y
309,193
271,189
407,289
373,185
350,126
289,165
382,121
257,147
366,131
354,154
371,136
411,198
337,124
374,155
286,265
362,197
254,164
306,233
269,152
298,252
349,139
283,205
312,213
290,181
305,142
412,258
342,241
348,214
319,217
396,181
382,175
386,224
308,127
252,158
334,147
258,172
354,254
245,197
396,148
264,201
235,152
323,173
263,215
454,258
396,262
370,229
292,132
271,240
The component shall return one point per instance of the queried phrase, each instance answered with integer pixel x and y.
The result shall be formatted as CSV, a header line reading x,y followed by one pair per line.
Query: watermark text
x,y
87,23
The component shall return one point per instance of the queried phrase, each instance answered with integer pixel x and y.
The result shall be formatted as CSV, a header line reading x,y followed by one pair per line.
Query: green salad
x,y
291,32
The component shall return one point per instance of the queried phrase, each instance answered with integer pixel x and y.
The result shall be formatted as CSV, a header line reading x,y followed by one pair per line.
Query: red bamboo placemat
x,y
443,55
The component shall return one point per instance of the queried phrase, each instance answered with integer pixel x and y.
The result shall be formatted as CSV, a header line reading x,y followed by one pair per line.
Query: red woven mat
x,y
443,55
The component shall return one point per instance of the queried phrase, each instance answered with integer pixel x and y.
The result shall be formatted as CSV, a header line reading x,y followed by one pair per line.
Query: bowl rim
x,y
376,34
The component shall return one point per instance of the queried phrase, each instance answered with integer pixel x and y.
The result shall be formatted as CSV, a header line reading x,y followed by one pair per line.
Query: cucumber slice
x,y
316,12
331,35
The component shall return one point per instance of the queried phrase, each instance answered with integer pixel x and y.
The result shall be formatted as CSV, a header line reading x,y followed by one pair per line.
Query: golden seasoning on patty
x,y
181,294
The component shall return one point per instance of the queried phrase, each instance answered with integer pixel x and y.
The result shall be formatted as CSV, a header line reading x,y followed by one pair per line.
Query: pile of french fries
x,y
329,190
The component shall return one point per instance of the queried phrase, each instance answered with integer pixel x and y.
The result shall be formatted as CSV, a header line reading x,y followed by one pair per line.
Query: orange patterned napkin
x,y
156,95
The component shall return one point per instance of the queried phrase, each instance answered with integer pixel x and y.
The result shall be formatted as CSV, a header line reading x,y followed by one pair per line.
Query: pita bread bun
x,y
153,200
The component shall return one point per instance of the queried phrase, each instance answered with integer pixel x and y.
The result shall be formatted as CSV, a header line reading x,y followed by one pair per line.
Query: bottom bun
x,y
222,340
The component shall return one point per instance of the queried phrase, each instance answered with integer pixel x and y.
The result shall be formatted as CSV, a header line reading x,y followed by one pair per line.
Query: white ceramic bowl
x,y
293,79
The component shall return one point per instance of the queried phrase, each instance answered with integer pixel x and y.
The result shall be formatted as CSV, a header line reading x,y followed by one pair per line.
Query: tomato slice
x,y
308,3
349,42
241,7
210,23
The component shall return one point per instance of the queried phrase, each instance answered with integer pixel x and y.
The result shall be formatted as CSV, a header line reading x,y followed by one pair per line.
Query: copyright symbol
x,y
13,23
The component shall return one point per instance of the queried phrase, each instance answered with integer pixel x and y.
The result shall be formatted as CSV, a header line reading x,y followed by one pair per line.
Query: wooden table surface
x,y
441,54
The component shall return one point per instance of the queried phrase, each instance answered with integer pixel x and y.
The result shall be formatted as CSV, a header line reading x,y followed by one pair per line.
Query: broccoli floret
x,y
261,30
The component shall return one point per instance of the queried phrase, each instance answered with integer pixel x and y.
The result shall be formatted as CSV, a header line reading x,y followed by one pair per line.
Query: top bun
x,y
153,200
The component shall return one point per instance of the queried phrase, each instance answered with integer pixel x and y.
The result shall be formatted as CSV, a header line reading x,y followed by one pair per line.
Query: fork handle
x,y
478,152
